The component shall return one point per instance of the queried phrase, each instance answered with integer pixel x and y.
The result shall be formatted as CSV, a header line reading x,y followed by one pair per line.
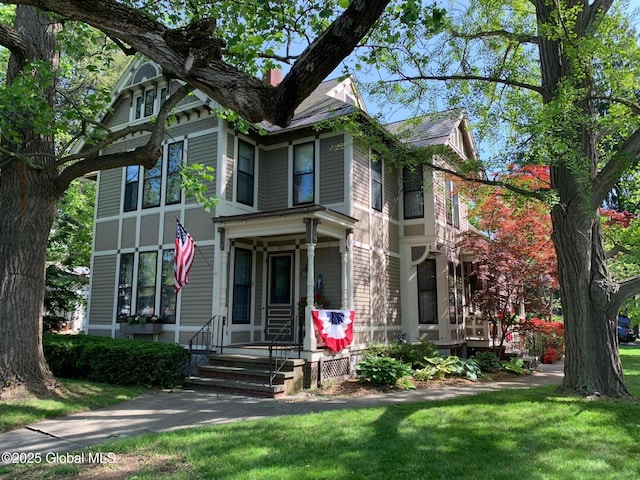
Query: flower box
x,y
141,329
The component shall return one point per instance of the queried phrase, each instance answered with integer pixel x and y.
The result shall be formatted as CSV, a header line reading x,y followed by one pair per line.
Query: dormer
x,y
148,91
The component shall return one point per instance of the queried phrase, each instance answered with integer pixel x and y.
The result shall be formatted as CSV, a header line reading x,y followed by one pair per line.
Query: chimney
x,y
273,77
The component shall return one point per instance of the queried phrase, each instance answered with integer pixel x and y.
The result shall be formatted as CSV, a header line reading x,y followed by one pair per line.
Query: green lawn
x,y
515,434
82,395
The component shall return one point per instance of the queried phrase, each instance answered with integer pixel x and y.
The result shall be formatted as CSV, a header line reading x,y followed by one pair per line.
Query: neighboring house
x,y
301,212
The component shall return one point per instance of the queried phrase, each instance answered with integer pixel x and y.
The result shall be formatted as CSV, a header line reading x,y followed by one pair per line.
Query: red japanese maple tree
x,y
513,253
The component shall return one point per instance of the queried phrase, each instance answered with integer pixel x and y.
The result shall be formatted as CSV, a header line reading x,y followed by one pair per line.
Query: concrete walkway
x,y
163,411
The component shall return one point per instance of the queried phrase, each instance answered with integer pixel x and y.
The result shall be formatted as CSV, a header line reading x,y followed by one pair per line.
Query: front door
x,y
280,304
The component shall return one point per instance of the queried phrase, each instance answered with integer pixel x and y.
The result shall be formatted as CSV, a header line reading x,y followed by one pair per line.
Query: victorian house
x,y
303,212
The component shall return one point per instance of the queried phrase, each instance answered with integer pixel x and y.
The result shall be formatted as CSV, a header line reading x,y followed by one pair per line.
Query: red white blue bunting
x,y
335,327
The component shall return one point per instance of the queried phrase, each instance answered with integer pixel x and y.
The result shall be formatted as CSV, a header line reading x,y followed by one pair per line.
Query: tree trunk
x,y
589,301
592,362
26,215
27,206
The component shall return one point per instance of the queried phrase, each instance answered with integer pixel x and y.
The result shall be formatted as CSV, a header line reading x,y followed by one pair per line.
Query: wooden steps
x,y
248,375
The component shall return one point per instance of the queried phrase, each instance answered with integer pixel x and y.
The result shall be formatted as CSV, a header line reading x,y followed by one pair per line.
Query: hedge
x,y
115,361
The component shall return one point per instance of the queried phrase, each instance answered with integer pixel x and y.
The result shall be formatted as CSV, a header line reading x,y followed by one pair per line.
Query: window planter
x,y
141,329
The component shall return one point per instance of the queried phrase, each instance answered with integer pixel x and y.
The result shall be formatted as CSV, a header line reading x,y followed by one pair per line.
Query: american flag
x,y
183,257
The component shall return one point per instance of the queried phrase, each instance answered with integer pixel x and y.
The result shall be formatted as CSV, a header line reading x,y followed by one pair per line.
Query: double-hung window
x,y
303,173
125,285
452,203
132,181
413,195
376,184
163,180
146,293
152,185
427,292
174,181
246,173
145,103
138,285
242,286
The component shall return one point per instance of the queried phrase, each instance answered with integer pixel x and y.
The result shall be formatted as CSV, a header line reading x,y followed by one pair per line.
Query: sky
x,y
394,112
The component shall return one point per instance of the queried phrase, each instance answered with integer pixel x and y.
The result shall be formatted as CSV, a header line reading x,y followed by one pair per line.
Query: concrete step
x,y
238,387
251,361
241,373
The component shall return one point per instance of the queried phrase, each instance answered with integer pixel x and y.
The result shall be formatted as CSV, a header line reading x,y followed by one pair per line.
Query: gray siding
x,y
129,226
204,150
106,236
391,192
183,129
393,293
103,281
361,176
230,161
332,170
198,223
197,294
378,288
274,175
109,185
361,292
327,264
120,114
149,228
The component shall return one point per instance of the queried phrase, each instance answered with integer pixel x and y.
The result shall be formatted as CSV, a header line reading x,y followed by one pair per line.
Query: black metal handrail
x,y
207,340
282,349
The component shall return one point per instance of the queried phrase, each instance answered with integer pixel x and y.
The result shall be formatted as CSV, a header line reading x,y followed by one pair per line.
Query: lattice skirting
x,y
318,372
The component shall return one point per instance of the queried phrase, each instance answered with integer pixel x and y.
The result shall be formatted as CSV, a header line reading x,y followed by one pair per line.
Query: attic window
x,y
145,103
148,102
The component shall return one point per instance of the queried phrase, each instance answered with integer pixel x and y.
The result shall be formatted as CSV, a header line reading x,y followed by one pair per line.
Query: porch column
x,y
349,268
344,256
224,261
310,336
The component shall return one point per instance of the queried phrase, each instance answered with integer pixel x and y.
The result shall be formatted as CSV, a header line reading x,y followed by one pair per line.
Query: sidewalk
x,y
163,411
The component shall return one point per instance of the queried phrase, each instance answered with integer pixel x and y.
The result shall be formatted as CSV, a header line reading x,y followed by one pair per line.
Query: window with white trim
x,y
452,203
161,180
246,173
138,285
304,173
413,198
376,184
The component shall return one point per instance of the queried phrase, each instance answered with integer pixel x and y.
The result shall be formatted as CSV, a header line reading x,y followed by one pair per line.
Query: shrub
x,y
487,361
382,371
452,366
551,355
538,336
411,353
515,365
120,362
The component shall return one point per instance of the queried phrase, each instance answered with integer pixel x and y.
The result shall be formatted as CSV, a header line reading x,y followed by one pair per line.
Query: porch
x,y
271,263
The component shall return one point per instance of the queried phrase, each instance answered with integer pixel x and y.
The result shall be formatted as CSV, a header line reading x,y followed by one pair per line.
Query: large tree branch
x,y
627,289
322,57
248,96
628,154
472,78
633,106
515,37
16,43
145,155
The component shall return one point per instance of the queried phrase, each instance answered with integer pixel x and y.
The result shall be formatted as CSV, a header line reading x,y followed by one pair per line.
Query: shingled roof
x,y
433,129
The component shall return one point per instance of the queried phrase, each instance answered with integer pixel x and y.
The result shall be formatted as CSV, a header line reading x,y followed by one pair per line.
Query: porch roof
x,y
286,221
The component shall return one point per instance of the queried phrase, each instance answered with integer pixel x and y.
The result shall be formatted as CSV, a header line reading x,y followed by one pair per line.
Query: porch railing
x,y
207,340
284,346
